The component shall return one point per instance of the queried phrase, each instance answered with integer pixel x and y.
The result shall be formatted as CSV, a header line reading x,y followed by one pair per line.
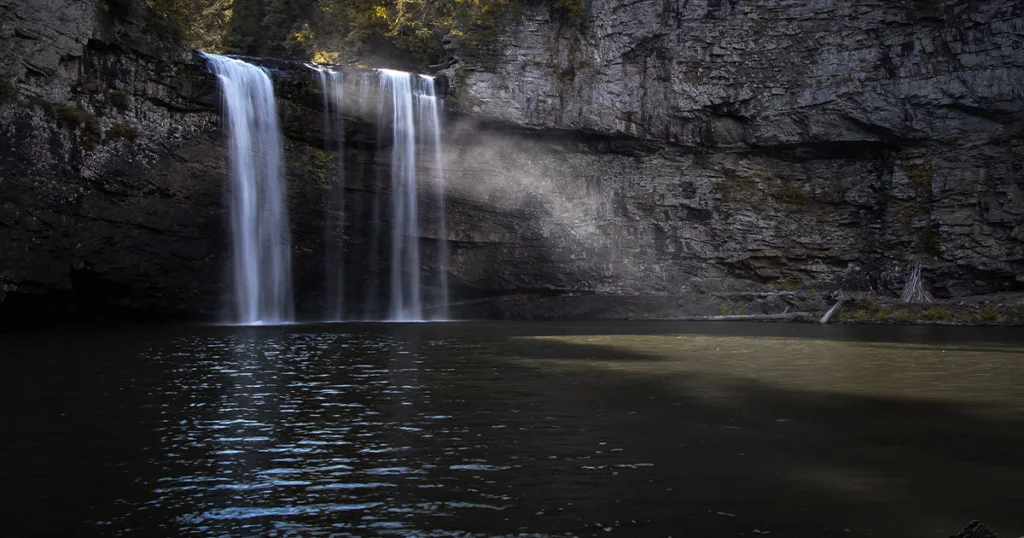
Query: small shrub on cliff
x,y
201,23
786,285
900,316
792,194
930,241
569,10
44,105
920,177
119,99
8,91
83,120
904,214
124,131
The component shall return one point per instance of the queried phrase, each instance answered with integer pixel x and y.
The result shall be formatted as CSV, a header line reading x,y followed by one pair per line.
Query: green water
x,y
509,429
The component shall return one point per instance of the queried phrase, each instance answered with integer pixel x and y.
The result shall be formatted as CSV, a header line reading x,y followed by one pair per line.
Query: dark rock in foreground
x,y
975,529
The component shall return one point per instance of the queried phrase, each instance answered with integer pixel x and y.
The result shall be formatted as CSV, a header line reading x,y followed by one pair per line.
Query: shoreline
x,y
786,306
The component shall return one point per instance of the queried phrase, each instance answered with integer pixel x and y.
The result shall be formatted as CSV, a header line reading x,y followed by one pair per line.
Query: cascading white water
x,y
332,90
430,127
260,237
406,302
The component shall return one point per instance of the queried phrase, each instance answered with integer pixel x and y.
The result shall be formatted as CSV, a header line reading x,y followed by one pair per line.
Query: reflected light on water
x,y
455,429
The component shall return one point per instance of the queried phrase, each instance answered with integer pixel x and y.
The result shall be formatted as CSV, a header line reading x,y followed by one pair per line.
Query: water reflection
x,y
515,430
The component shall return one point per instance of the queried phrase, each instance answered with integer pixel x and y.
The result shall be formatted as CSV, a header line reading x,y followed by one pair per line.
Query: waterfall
x,y
405,292
332,90
260,237
369,91
410,105
430,126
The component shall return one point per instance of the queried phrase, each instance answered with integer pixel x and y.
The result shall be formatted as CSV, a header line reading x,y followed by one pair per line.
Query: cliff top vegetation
x,y
392,33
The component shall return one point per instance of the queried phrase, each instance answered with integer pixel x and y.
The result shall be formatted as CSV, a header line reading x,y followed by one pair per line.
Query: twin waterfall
x,y
261,251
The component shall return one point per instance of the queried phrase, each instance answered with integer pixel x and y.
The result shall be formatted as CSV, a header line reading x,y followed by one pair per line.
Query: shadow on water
x,y
623,429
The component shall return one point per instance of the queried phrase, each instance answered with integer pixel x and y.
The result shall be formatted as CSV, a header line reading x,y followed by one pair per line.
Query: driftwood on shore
x,y
828,315
758,294
792,316
913,291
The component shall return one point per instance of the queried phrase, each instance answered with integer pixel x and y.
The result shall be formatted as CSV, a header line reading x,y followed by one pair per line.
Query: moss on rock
x,y
125,131
84,121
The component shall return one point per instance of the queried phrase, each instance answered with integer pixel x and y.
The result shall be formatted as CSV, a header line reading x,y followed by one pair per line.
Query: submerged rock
x,y
975,529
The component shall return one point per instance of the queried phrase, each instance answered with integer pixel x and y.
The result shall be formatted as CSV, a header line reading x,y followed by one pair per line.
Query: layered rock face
x,y
113,170
629,161
113,173
655,147
110,174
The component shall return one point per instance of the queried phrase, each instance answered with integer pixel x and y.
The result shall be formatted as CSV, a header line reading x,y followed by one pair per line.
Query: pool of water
x,y
512,429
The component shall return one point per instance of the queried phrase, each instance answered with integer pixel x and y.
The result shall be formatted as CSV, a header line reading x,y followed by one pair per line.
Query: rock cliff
x,y
654,146
113,169
629,161
107,197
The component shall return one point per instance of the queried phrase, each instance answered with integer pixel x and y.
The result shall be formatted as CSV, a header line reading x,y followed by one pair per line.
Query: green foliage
x,y
570,10
900,316
920,177
724,311
860,316
44,105
400,33
991,315
792,194
565,75
84,121
936,314
869,311
412,29
119,99
741,189
8,91
970,318
72,117
122,130
785,285
203,24
869,305
930,241
904,214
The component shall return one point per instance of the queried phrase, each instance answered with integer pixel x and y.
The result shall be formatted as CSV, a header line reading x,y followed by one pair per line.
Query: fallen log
x,y
792,316
762,294
825,318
